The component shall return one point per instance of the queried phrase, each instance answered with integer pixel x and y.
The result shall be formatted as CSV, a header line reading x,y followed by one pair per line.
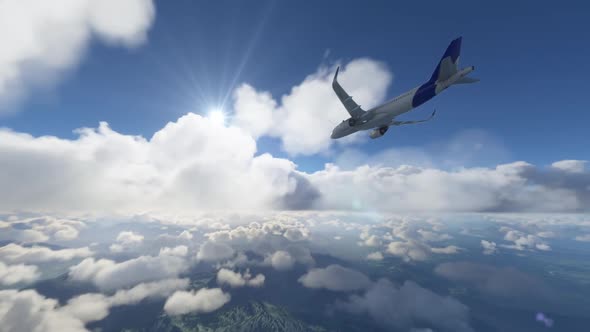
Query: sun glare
x,y
217,116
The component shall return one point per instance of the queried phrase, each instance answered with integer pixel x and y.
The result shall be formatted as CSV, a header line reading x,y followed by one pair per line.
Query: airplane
x,y
382,117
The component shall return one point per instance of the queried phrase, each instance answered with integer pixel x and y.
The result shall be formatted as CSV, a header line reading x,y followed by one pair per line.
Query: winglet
x,y
336,75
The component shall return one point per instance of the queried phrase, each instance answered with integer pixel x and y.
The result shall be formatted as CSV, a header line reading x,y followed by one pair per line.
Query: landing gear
x,y
351,122
383,130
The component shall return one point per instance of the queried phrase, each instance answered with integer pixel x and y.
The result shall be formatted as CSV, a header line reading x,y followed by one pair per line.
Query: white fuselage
x,y
383,115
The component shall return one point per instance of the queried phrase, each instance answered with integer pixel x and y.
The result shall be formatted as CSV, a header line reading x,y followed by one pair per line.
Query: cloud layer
x,y
196,164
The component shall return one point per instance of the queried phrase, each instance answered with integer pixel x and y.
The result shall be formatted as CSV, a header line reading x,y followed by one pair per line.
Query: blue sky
x,y
532,61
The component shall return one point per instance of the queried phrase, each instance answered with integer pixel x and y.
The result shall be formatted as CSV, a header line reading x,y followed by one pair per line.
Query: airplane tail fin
x,y
448,64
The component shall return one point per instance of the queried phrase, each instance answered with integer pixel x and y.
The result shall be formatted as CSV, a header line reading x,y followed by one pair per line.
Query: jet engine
x,y
376,133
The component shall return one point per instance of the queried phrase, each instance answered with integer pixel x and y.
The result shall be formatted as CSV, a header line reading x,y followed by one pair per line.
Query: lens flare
x,y
217,116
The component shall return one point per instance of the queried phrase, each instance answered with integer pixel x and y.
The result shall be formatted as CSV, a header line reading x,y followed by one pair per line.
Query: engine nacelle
x,y
376,133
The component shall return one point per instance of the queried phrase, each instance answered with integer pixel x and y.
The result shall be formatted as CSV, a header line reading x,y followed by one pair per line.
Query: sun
x,y
217,116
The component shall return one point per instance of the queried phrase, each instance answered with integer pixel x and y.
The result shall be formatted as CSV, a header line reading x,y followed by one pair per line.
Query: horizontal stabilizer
x,y
467,80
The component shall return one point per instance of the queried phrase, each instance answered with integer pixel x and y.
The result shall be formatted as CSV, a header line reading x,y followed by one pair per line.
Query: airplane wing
x,y
399,123
351,106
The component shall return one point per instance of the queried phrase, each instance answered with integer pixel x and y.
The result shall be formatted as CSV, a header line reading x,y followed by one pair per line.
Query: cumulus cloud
x,y
409,250
36,254
408,306
18,273
160,288
87,307
412,250
572,166
304,118
41,229
375,256
30,236
44,39
253,110
181,251
93,306
282,260
191,164
28,311
109,275
195,164
335,278
296,234
213,251
523,241
489,247
126,240
201,301
369,240
236,279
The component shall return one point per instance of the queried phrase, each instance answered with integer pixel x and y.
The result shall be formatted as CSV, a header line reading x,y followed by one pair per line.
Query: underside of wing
x,y
351,106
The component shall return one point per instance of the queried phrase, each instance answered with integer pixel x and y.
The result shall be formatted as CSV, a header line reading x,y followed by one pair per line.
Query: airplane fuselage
x,y
383,115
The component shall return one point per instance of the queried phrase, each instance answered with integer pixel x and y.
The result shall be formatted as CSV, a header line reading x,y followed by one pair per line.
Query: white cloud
x,y
14,274
517,186
335,278
31,236
180,251
253,110
449,250
236,279
412,250
429,236
213,251
88,307
200,301
296,234
194,164
126,240
43,39
489,247
191,164
41,229
160,288
375,256
573,166
58,228
109,275
409,250
185,235
28,311
306,116
129,238
523,241
36,254
282,260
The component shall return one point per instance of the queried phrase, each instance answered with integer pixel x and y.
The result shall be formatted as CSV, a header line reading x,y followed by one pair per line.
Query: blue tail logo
x,y
447,66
